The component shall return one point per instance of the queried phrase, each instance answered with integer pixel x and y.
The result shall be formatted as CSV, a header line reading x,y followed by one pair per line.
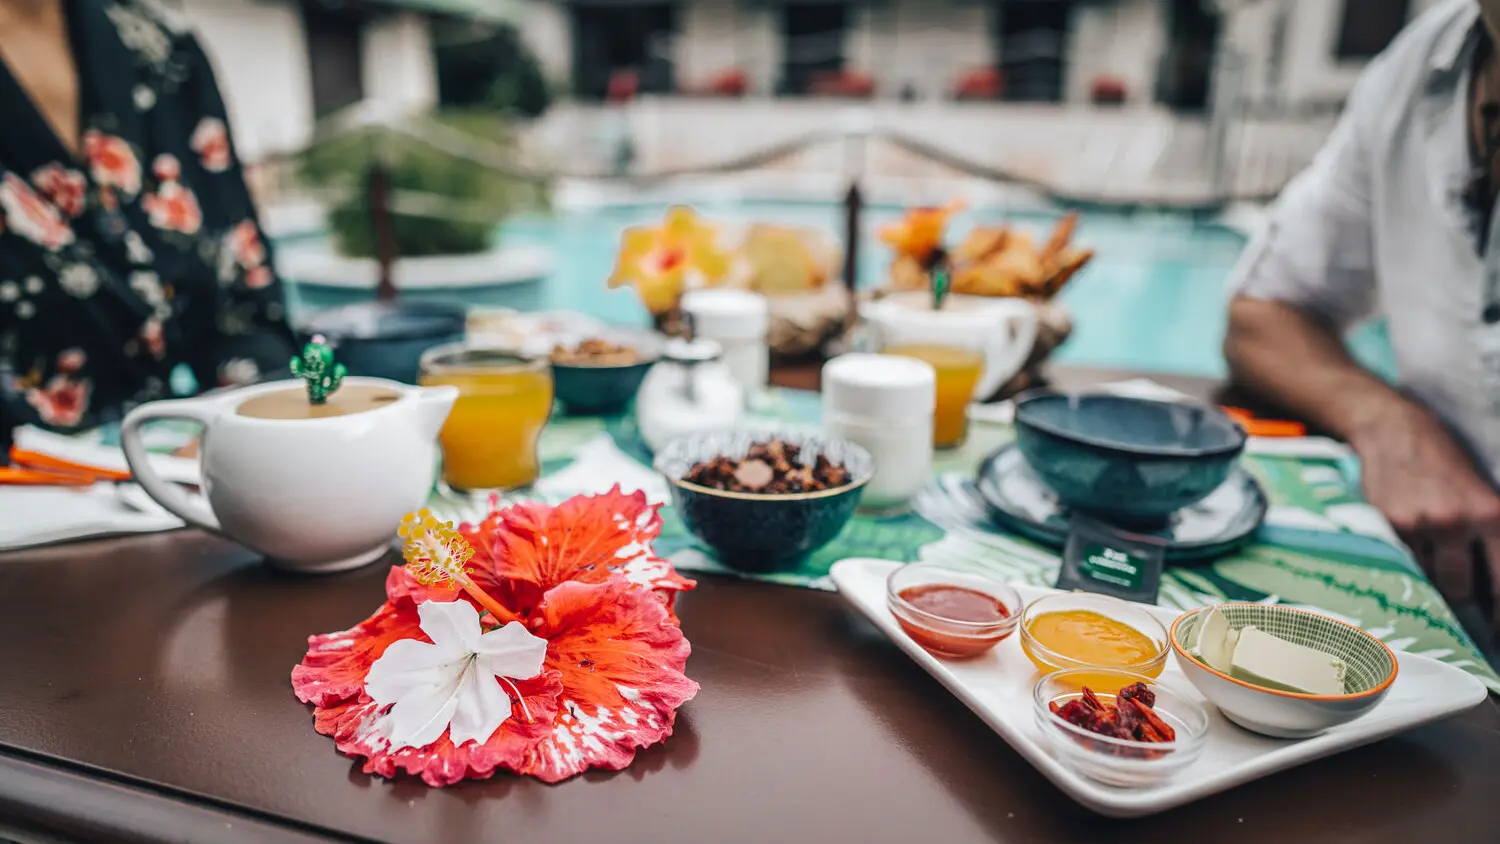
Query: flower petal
x,y
423,712
354,725
482,707
410,664
335,666
512,652
522,551
621,662
451,624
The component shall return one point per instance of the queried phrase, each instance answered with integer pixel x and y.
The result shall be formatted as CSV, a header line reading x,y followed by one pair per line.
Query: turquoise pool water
x,y
1153,298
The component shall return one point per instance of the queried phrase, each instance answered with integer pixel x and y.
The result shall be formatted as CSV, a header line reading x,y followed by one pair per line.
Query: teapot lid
x,y
678,350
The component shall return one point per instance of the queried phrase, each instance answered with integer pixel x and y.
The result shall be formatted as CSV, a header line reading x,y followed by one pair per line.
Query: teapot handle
x,y
1006,351
191,509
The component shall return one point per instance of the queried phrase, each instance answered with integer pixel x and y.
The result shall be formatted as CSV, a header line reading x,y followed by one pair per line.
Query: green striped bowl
x,y
1371,670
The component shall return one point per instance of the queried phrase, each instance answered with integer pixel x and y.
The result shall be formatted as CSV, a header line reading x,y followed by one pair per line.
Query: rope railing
x,y
497,157
501,158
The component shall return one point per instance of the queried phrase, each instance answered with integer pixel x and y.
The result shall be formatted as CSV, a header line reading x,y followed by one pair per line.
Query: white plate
x,y
998,687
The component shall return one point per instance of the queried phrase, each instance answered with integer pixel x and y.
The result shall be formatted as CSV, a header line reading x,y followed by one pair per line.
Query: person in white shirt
x,y
1395,217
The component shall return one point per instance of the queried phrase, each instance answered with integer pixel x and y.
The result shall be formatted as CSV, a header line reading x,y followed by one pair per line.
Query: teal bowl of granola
x,y
764,501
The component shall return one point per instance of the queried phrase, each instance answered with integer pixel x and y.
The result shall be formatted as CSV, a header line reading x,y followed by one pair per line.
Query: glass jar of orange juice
x,y
974,343
504,400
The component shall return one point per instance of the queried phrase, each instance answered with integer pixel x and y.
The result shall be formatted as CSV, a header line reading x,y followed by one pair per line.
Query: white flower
x,y
9,291
136,249
80,280
147,285
145,98
25,310
455,683
139,33
33,284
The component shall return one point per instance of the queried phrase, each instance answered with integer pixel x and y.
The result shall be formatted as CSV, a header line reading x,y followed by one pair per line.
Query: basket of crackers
x,y
1000,260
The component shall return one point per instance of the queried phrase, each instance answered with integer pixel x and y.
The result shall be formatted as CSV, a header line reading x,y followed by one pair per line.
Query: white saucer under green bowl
x,y
1018,500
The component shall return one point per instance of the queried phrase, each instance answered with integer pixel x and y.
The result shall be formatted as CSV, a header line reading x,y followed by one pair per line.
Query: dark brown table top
x,y
144,696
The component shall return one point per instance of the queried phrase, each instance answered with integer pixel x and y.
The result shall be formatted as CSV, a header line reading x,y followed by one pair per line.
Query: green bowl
x,y
755,532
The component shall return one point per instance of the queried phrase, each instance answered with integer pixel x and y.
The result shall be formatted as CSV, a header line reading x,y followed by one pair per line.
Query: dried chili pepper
x,y
1130,717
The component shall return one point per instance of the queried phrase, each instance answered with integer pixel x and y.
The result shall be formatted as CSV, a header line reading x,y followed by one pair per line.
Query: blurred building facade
x,y
1296,54
282,64
1173,101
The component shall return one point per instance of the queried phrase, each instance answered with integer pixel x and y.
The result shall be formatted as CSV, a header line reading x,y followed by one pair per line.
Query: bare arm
x,y
1295,358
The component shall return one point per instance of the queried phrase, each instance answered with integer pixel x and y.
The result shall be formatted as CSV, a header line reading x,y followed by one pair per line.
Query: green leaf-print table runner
x,y
1322,546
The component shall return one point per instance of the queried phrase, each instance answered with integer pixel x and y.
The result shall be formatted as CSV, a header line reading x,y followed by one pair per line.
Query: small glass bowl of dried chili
x,y
952,612
1121,728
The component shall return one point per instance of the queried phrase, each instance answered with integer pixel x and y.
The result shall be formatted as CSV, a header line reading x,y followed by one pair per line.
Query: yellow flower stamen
x,y
436,553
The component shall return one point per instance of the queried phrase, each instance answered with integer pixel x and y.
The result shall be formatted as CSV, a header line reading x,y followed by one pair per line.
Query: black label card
x,y
1110,561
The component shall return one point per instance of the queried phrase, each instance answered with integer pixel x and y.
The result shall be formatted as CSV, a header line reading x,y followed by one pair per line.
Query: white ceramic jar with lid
x,y
884,403
688,390
739,321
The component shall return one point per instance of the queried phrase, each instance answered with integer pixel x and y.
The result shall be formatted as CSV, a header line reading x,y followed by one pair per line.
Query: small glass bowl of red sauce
x,y
952,612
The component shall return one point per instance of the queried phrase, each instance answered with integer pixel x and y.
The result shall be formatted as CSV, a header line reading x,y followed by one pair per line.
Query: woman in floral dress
x,y
129,246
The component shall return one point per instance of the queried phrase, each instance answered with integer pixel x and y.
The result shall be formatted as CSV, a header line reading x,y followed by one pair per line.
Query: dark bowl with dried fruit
x,y
1118,727
598,376
764,501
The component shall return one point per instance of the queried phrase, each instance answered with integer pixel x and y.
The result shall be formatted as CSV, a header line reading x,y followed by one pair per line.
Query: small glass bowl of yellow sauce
x,y
1083,630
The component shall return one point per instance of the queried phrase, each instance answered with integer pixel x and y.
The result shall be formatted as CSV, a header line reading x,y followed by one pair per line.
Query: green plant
x,y
442,204
489,66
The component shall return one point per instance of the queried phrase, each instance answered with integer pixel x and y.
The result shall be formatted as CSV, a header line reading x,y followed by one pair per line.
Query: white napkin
x,y
43,515
599,465
183,470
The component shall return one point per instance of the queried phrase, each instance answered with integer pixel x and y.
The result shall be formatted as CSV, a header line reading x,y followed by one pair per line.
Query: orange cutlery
x,y
1257,427
32,468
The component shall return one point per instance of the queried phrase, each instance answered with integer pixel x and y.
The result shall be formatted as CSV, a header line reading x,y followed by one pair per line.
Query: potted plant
x,y
446,198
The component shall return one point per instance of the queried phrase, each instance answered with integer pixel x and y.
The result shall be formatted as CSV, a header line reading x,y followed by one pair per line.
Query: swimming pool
x,y
1153,299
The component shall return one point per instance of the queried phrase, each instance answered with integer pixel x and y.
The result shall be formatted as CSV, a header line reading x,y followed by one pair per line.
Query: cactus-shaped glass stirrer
x,y
941,282
317,367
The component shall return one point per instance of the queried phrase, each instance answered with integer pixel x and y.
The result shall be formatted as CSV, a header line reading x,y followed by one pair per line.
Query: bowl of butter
x,y
1282,671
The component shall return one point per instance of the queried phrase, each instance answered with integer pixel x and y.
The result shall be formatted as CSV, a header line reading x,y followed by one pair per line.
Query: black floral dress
x,y
140,256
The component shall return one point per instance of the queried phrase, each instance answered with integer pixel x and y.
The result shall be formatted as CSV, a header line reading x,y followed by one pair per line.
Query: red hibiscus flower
x,y
32,217
604,535
66,188
211,141
622,660
62,402
112,162
174,208
332,677
612,678
244,243
166,168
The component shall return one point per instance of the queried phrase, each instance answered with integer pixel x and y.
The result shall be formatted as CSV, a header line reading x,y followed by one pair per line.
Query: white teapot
x,y
314,491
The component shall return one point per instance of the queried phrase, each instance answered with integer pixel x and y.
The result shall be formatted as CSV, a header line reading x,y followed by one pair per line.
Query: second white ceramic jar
x,y
884,403
739,321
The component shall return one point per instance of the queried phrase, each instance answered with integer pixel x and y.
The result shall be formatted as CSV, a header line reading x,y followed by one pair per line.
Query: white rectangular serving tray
x,y
998,686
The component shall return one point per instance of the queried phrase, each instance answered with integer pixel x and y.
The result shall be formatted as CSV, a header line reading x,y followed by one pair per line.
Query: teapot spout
x,y
433,405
